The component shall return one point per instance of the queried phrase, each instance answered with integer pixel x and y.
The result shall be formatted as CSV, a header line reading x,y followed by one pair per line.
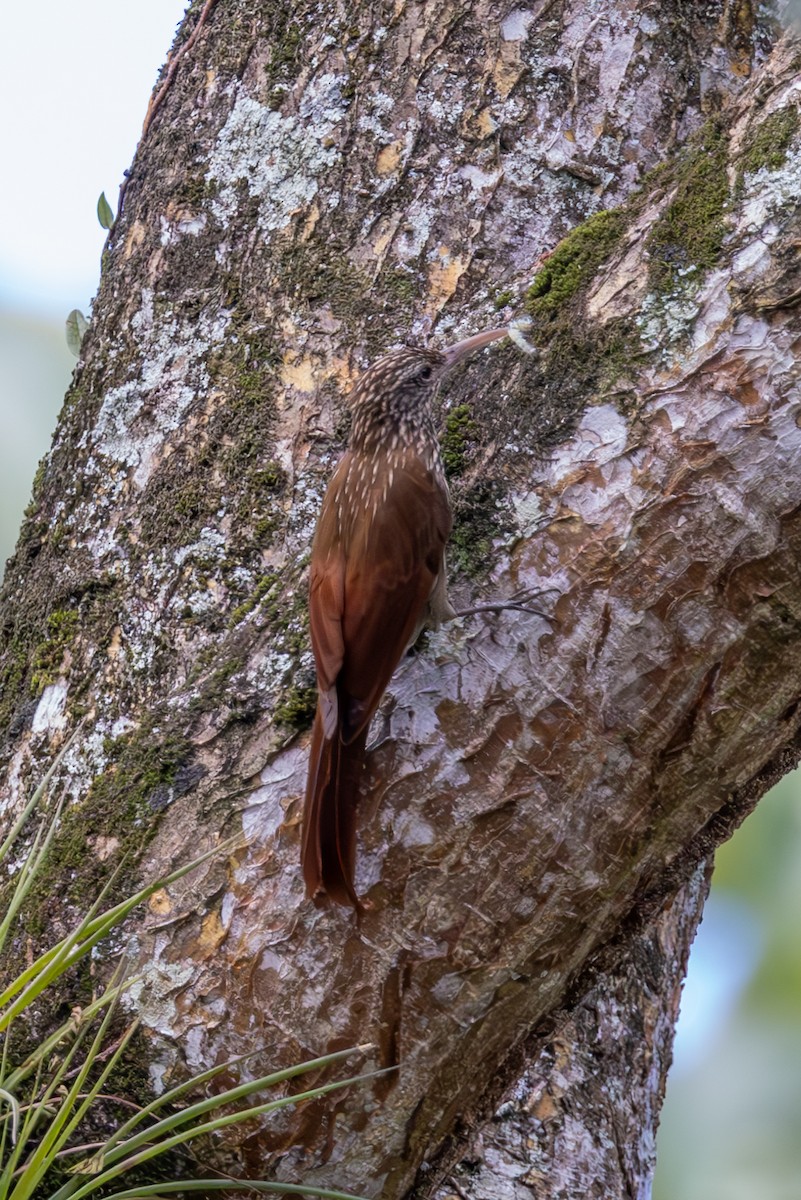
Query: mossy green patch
x,y
689,233
585,359
179,499
49,655
257,502
582,357
574,262
267,584
190,485
321,271
284,613
255,360
400,285
243,427
298,706
13,670
480,516
146,769
286,40
767,143
460,429
195,189
213,687
578,357
270,478
36,488
33,645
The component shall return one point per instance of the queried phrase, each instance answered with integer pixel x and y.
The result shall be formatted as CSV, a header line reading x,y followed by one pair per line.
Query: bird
x,y
377,578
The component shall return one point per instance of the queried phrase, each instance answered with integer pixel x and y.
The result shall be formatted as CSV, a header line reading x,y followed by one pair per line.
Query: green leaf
x,y
104,214
76,327
153,1142
13,1104
168,1099
222,1185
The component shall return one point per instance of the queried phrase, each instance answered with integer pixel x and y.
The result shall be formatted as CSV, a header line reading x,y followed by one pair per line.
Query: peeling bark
x,y
542,795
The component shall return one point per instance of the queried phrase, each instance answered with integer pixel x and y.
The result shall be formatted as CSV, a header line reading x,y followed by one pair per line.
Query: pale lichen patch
x,y
179,224
50,715
279,159
769,192
663,319
480,181
528,513
153,994
12,793
375,119
136,416
515,27
210,546
415,231
282,780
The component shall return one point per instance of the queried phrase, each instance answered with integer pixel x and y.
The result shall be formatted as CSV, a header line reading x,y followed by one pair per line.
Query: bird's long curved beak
x,y
459,350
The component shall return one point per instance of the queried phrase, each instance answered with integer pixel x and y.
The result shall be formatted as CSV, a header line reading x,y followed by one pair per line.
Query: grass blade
x,y
92,929
164,1144
68,1116
228,1097
35,799
13,1104
49,1045
219,1185
30,868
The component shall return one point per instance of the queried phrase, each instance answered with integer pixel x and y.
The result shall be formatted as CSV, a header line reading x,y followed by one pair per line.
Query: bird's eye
x,y
426,372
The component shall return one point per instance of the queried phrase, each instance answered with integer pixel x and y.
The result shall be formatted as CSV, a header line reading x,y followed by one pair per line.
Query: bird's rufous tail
x,y
328,847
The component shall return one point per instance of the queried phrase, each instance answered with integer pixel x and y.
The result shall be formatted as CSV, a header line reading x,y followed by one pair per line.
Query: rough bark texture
x,y
581,1117
314,188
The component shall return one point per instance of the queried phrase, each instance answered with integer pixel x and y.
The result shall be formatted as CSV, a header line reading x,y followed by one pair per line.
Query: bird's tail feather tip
x,y
329,824
322,898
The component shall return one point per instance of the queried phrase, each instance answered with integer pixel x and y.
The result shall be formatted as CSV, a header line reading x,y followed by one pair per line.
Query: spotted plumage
x,y
377,577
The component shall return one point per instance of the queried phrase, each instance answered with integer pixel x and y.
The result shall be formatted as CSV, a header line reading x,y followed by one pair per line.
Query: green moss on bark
x,y
298,707
580,357
767,143
265,586
13,671
460,429
689,233
575,262
480,517
147,768
48,657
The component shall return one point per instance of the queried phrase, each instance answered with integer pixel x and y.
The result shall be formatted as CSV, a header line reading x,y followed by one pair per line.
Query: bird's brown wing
x,y
373,569
391,568
372,573
326,606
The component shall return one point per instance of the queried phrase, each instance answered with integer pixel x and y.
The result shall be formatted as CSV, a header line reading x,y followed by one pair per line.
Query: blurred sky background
x,y
74,84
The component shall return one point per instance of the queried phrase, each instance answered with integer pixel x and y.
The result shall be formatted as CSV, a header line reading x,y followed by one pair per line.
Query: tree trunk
x,y
544,793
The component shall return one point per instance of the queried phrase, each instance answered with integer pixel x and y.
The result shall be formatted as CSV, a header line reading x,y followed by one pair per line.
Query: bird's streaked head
x,y
409,370
394,394
416,371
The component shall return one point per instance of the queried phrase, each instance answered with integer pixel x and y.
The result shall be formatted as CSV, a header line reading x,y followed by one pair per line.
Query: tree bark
x,y
543,793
